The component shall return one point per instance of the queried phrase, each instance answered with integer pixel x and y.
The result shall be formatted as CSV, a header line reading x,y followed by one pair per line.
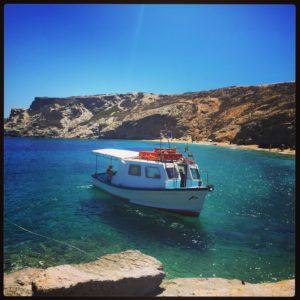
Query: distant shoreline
x,y
233,146
177,141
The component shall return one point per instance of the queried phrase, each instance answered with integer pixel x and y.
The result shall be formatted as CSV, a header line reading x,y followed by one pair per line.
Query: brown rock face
x,y
19,283
219,287
129,273
263,115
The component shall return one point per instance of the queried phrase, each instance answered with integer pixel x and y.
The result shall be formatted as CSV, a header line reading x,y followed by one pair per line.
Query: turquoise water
x,y
245,231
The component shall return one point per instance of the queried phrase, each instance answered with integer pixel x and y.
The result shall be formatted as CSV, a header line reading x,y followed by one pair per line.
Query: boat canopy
x,y
117,153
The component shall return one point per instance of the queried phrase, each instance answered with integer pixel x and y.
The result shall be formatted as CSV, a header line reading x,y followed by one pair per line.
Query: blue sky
x,y
60,50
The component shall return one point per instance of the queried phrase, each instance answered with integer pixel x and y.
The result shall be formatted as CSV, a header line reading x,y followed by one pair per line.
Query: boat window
x,y
195,173
134,170
172,172
152,172
181,168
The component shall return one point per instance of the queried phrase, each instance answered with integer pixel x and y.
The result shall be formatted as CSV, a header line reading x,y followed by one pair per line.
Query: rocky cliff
x,y
263,115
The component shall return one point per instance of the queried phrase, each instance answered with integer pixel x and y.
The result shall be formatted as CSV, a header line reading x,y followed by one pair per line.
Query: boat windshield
x,y
172,173
195,173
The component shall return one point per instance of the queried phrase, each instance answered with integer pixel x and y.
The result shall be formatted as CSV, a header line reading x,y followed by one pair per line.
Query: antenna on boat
x,y
169,135
186,148
160,137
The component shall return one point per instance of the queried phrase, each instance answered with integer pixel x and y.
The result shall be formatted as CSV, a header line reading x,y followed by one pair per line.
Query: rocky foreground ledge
x,y
129,273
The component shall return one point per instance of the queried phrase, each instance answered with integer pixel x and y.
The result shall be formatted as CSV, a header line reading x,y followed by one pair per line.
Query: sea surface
x,y
246,230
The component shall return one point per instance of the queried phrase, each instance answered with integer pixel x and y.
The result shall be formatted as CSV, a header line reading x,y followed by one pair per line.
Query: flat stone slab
x,y
219,287
19,283
128,273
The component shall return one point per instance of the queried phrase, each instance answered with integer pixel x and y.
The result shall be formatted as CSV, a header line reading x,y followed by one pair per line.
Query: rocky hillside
x,y
263,115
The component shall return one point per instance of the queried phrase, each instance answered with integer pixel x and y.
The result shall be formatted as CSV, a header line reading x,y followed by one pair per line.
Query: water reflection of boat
x,y
161,178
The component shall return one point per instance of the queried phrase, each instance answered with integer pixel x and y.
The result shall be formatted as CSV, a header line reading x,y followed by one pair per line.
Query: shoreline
x,y
178,141
232,146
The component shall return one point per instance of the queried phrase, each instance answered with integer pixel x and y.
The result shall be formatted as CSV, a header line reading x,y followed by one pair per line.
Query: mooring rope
x,y
48,238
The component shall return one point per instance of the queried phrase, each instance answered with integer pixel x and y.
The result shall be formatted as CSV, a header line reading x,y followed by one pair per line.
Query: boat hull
x,y
182,201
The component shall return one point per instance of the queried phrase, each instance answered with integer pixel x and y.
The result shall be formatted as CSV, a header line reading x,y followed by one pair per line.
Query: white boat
x,y
161,179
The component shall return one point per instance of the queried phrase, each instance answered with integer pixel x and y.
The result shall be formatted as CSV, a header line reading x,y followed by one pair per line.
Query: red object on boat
x,y
148,155
167,150
161,154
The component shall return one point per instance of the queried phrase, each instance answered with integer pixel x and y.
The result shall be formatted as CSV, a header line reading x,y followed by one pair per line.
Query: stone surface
x,y
219,287
262,115
129,273
19,283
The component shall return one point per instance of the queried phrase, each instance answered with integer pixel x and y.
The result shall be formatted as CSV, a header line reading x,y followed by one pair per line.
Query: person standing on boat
x,y
183,179
110,173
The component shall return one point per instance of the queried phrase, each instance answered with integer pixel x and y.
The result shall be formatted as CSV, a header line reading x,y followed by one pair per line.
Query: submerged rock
x,y
129,273
216,287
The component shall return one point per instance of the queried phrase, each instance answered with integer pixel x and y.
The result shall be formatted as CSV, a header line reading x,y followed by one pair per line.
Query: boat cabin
x,y
143,170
